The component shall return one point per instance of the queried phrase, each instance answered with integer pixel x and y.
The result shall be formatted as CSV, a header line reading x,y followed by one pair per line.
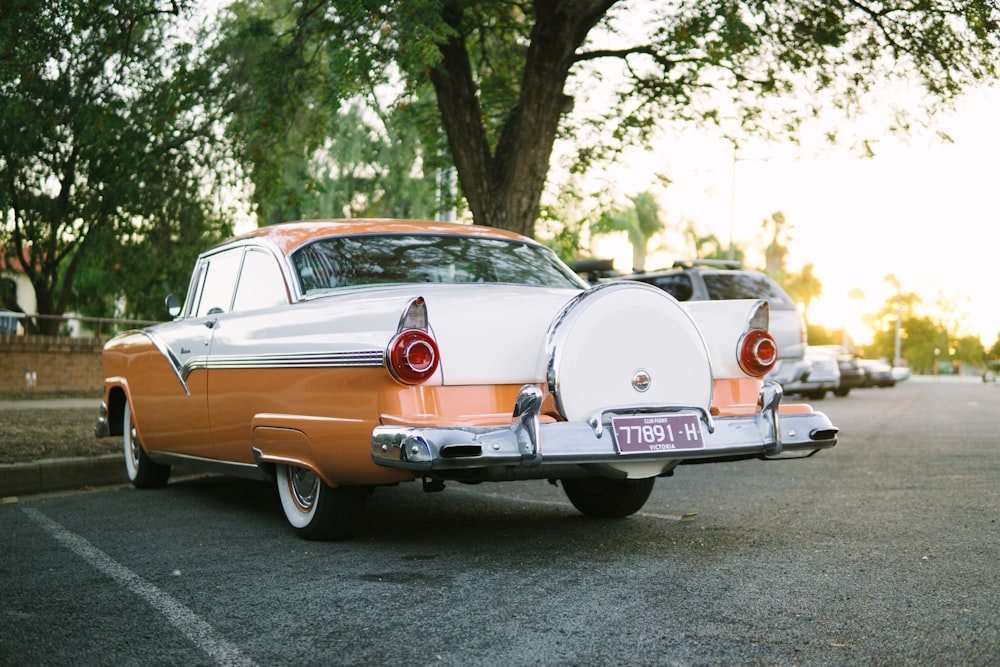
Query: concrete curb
x,y
61,474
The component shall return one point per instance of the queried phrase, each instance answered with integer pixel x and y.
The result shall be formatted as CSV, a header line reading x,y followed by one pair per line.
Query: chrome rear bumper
x,y
527,443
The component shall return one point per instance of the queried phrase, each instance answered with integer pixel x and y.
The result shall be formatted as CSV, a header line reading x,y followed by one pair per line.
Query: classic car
x,y
333,357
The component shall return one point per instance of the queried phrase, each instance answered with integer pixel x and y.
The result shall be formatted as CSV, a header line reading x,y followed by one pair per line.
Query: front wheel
x,y
143,472
608,498
316,510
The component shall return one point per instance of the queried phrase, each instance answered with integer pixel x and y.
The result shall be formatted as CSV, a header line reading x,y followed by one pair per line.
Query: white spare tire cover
x,y
608,341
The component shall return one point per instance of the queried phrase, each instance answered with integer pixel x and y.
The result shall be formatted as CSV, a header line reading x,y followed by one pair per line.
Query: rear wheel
x,y
608,498
316,510
142,471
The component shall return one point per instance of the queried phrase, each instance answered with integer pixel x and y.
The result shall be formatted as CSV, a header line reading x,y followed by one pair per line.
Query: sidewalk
x,y
51,404
58,474
61,474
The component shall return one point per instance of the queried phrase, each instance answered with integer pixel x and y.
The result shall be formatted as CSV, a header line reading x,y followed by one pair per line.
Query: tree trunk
x,y
504,189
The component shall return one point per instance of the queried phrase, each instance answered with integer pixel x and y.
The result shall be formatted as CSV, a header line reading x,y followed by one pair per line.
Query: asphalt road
x,y
882,551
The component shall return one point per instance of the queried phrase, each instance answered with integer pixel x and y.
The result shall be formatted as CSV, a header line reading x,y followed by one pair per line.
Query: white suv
x,y
709,280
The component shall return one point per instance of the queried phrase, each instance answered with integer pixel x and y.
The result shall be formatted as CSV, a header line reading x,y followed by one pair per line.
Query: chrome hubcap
x,y
304,485
133,443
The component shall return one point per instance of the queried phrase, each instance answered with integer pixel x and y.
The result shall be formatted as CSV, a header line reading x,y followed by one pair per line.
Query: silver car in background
x,y
716,280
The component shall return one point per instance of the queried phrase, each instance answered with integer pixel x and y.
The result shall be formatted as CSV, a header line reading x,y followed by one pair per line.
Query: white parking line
x,y
186,621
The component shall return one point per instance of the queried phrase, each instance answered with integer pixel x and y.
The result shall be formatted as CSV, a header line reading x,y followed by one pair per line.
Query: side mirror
x,y
173,305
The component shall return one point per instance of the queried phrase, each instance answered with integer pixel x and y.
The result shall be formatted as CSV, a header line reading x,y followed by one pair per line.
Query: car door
x,y
176,408
238,377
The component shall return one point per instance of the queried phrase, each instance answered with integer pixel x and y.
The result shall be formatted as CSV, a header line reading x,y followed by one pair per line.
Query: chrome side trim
x,y
171,358
366,359
348,359
351,359
243,470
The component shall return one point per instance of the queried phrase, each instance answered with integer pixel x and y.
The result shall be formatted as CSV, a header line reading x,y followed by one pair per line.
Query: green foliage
x,y
708,246
564,224
105,139
107,122
504,75
994,352
803,287
309,117
925,341
818,335
780,231
641,221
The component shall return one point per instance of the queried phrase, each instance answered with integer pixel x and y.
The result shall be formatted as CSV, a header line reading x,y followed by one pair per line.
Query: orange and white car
x,y
336,356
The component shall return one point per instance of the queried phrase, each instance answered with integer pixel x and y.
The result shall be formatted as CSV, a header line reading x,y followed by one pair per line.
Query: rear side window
x,y
677,285
746,285
261,284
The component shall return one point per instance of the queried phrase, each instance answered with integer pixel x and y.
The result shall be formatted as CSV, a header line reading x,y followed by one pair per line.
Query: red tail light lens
x,y
412,356
757,352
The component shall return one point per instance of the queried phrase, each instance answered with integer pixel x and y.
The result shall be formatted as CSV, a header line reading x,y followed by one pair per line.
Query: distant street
x,y
882,551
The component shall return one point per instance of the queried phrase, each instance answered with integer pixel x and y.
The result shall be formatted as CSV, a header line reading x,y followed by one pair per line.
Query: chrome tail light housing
x,y
757,350
412,355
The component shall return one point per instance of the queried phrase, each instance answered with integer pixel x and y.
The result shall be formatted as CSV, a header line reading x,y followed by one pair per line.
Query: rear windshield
x,y
345,261
746,285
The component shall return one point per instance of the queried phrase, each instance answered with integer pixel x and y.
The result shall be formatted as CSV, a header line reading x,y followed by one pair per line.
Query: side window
x,y
261,284
218,282
677,285
194,289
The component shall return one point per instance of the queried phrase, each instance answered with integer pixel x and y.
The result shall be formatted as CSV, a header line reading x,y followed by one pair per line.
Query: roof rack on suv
x,y
717,263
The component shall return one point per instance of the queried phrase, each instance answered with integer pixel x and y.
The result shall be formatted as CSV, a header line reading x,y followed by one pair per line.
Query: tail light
x,y
757,352
412,356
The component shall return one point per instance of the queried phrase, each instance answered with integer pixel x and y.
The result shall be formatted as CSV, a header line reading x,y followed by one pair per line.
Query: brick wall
x,y
59,364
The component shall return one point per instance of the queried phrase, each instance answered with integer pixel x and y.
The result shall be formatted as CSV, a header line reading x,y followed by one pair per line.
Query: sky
x,y
923,210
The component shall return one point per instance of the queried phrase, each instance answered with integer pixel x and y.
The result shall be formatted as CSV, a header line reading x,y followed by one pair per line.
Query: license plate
x,y
660,433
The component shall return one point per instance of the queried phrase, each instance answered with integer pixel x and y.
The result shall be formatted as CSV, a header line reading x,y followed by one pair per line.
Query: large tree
x,y
507,75
105,129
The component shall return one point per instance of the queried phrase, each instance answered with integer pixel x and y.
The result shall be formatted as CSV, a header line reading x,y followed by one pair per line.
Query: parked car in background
x,y
878,373
717,280
852,376
821,376
334,357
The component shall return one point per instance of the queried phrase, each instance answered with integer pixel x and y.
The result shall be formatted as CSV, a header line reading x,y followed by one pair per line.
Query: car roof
x,y
288,236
